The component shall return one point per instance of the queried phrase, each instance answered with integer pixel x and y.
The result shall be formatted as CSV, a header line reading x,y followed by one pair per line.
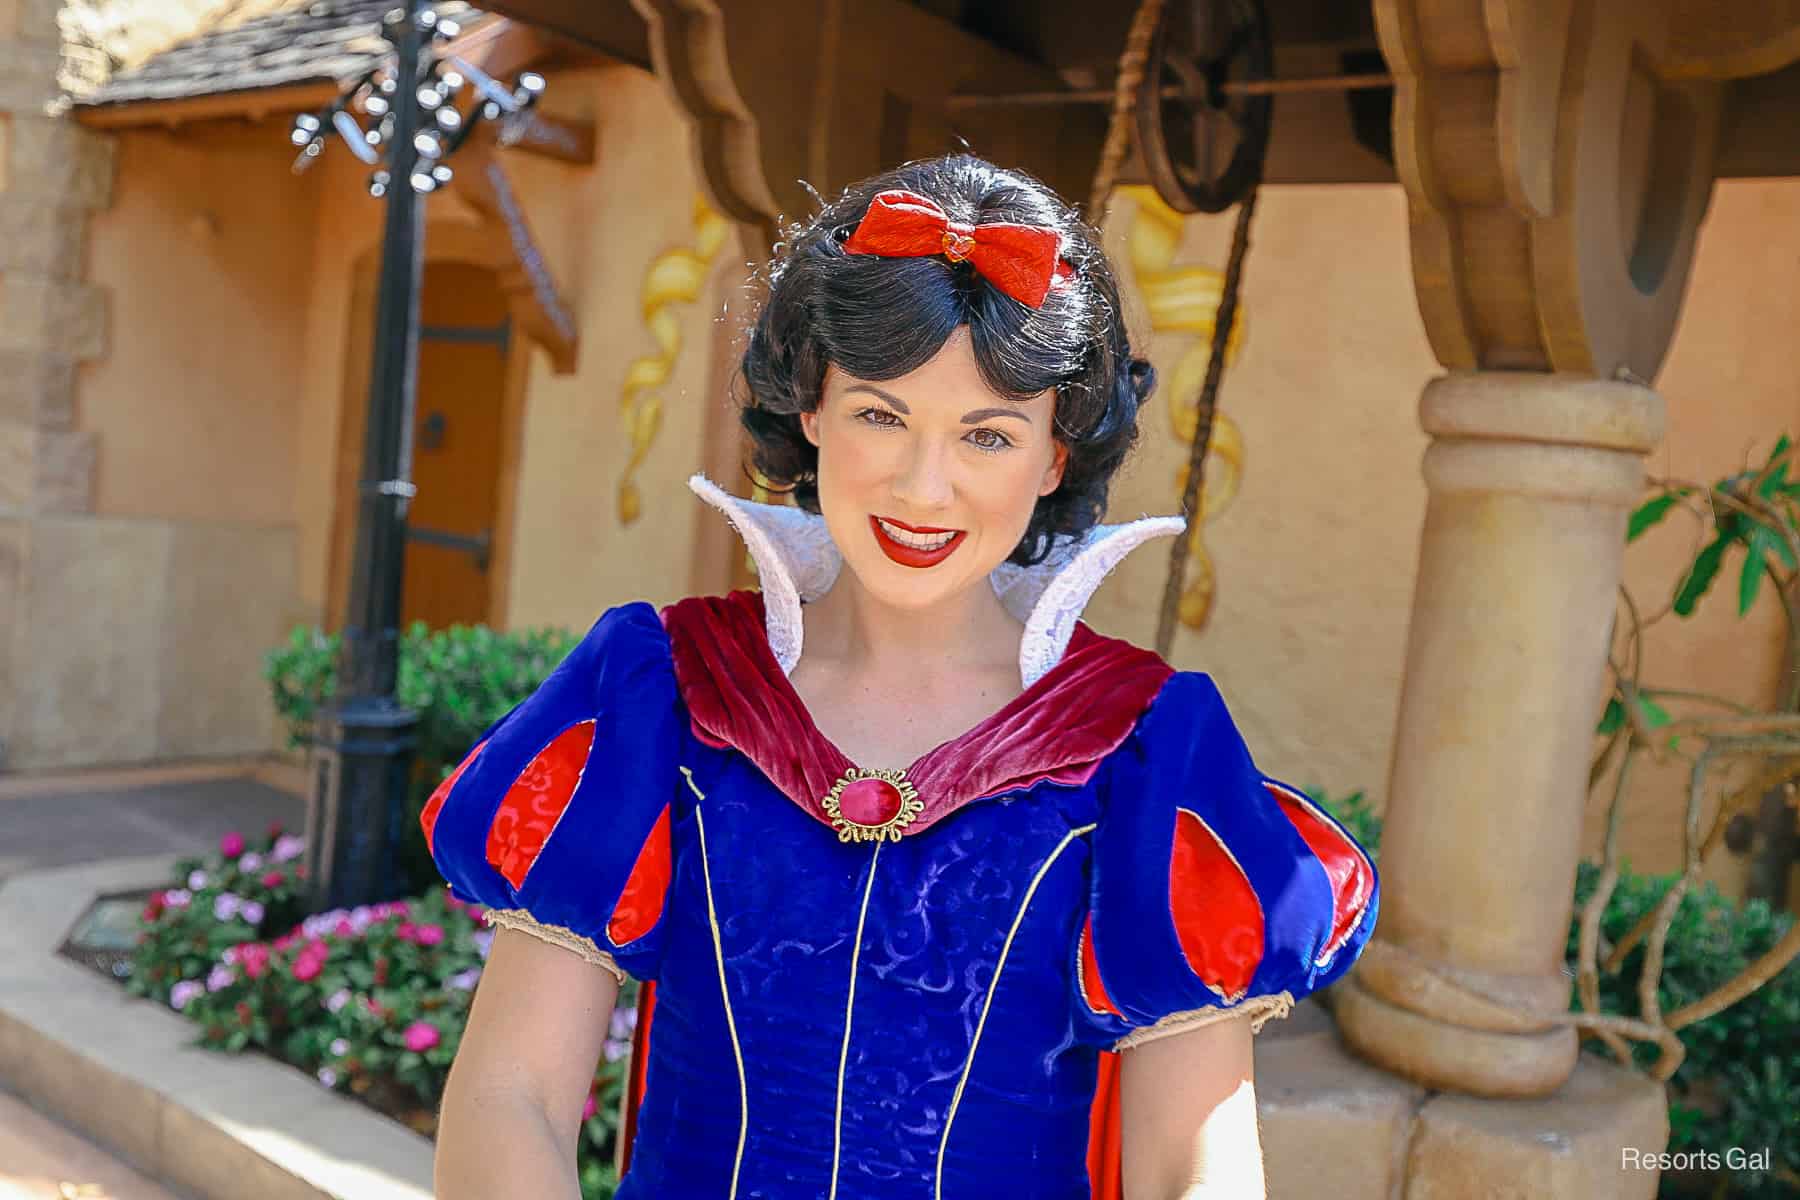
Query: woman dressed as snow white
x,y
936,893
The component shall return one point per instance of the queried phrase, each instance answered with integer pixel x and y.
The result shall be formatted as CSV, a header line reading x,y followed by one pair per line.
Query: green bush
x,y
459,680
1740,1082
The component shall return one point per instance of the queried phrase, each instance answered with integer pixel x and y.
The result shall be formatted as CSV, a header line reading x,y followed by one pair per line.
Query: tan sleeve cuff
x,y
1260,1009
556,935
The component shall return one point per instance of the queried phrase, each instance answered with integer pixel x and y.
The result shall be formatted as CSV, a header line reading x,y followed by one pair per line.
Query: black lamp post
x,y
364,742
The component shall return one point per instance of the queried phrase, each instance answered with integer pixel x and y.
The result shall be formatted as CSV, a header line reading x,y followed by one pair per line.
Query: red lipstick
x,y
908,556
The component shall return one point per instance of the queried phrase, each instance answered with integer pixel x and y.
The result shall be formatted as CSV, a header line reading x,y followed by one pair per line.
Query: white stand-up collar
x,y
798,562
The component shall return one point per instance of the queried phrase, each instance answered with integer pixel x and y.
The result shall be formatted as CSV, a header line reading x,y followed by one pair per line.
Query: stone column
x,y
53,174
1531,477
1556,177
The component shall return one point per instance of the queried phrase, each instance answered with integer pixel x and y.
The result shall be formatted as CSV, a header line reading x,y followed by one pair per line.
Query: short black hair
x,y
880,317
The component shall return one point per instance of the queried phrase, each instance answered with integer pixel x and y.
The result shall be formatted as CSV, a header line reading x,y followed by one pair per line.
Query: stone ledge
x,y
123,1072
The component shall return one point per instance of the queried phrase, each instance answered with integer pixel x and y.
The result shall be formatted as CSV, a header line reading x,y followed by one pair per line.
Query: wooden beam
x,y
535,132
251,105
534,297
1732,39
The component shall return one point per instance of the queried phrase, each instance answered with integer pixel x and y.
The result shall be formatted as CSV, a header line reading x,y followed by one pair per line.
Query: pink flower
x,y
287,939
231,845
254,958
345,928
420,1036
274,879
590,1108
406,931
429,935
307,967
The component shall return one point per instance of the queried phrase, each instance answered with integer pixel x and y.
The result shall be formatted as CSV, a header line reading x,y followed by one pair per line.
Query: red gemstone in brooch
x,y
870,805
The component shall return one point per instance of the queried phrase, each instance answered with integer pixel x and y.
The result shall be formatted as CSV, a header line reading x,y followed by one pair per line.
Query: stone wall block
x,y
44,472
18,467
1585,1141
1328,1116
91,612
37,389
37,22
65,472
226,600
14,544
40,238
28,75
54,159
60,317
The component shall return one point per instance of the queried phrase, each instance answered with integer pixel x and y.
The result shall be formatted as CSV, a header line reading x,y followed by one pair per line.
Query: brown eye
x,y
995,440
866,414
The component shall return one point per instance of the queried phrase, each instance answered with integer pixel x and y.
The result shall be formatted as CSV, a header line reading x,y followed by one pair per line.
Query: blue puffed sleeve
x,y
1217,890
558,819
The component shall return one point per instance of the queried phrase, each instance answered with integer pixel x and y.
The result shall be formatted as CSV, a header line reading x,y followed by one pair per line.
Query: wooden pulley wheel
x,y
1203,142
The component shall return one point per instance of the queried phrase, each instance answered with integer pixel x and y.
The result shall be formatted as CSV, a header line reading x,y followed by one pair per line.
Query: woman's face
x,y
927,482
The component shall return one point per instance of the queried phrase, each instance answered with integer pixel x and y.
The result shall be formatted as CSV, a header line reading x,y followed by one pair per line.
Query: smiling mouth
x,y
914,546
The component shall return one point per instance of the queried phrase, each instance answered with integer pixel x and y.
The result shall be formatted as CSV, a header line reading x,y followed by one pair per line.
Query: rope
x,y
1204,414
1118,129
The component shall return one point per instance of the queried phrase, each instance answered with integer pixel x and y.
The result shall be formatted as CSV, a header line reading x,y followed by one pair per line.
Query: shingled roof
x,y
314,41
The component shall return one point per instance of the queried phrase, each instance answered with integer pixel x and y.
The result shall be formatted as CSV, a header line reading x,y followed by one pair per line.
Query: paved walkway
x,y
41,1159
51,823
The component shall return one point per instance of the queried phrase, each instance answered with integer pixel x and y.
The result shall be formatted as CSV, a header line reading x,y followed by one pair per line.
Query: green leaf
x,y
1756,549
1654,715
1700,575
1613,718
1651,512
1778,477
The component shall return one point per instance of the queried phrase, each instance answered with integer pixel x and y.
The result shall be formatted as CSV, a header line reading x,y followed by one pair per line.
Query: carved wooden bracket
x,y
1714,39
1556,177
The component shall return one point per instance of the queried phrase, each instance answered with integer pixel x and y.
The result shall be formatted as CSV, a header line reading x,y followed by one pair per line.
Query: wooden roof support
x,y
784,94
532,293
1732,39
1532,147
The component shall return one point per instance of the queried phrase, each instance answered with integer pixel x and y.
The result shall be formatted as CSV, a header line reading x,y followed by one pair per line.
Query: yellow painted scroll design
x,y
1185,299
675,277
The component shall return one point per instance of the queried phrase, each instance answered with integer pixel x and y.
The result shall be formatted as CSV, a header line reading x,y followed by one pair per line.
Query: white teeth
x,y
918,541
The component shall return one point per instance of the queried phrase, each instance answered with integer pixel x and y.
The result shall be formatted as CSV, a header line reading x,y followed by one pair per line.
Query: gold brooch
x,y
869,805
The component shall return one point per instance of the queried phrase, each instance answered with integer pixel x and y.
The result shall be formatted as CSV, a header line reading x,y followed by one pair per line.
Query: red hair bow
x,y
1020,260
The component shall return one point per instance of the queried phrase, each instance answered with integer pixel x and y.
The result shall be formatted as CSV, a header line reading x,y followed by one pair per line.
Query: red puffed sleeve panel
x,y
559,819
1216,890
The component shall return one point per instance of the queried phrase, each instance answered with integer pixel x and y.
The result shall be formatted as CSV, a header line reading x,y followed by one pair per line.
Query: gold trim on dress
x,y
712,919
1260,1009
837,1125
556,935
855,831
994,986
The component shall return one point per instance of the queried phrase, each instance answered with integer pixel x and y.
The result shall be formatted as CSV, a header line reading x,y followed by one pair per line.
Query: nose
x,y
923,484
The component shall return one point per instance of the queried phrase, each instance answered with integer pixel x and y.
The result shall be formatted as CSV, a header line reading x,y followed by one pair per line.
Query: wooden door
x,y
458,432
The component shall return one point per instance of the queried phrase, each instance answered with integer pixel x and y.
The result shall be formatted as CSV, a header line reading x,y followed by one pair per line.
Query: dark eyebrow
x,y
870,388
982,414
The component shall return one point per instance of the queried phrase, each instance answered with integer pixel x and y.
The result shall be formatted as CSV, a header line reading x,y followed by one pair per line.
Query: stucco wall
x,y
204,256
574,555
